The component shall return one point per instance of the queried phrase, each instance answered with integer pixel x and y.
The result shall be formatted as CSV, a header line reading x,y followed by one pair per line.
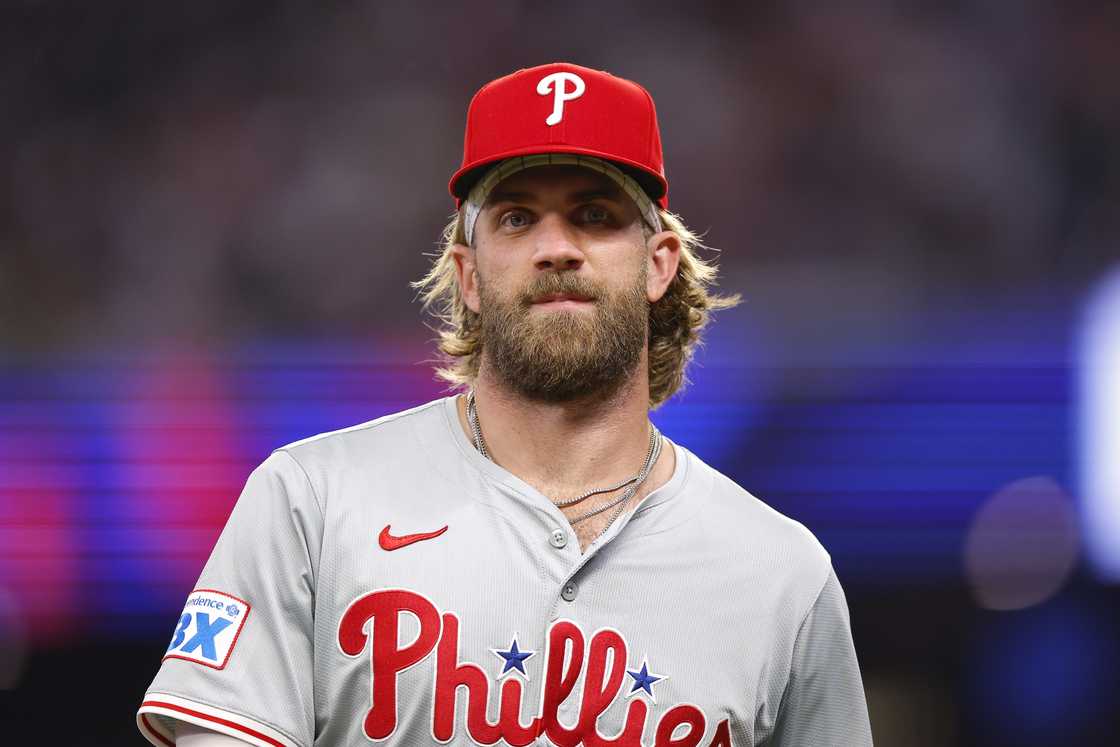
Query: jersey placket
x,y
568,596
570,573
568,570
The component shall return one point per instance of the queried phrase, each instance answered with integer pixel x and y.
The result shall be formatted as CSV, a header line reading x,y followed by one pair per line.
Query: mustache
x,y
559,283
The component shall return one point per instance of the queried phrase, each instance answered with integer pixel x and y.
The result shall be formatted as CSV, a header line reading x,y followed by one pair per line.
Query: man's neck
x,y
566,448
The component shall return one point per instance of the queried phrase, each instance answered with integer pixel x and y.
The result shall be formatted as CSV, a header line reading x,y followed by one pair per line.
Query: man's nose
x,y
556,247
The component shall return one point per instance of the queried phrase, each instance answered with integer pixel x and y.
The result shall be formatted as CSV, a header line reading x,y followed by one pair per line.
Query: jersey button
x,y
568,593
558,538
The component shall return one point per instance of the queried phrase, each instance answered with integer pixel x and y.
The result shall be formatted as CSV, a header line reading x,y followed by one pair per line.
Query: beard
x,y
564,354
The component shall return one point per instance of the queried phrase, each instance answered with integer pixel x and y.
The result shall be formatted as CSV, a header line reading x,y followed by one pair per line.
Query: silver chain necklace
x,y
632,483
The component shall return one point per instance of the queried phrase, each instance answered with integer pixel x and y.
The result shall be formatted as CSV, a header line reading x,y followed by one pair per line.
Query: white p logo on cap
x,y
554,83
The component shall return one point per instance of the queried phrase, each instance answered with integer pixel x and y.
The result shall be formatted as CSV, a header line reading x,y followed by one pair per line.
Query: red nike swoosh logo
x,y
389,542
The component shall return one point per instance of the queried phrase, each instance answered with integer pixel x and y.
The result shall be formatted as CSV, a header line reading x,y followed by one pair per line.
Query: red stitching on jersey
x,y
215,719
156,734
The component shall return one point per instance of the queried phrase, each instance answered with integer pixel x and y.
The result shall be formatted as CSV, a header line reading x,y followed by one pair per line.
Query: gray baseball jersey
x,y
387,582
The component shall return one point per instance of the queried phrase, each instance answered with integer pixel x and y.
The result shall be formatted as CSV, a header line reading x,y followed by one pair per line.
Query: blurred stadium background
x,y
210,212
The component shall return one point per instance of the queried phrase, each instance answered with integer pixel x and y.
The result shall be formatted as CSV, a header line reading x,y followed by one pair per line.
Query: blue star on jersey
x,y
513,657
643,679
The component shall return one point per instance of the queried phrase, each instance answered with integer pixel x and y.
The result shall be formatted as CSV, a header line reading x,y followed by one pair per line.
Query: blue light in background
x,y
727,385
288,390
1040,676
884,454
1099,437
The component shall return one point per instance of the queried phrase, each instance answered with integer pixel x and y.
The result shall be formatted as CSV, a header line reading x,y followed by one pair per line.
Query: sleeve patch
x,y
208,628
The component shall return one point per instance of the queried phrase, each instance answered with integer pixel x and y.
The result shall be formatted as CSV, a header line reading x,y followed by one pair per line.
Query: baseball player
x,y
528,561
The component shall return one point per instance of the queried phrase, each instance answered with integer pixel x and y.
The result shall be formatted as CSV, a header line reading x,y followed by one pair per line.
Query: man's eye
x,y
596,214
515,219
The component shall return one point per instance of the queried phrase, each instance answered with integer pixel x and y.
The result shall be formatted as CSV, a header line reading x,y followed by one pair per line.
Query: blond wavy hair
x,y
675,320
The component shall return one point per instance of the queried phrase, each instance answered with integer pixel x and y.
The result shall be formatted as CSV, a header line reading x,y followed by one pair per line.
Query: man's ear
x,y
466,271
664,250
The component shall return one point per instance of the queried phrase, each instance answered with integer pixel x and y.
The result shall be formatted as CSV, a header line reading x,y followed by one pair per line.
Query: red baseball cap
x,y
563,108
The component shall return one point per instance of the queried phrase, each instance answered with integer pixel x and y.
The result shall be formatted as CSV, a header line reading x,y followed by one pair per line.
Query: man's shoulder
x,y
373,438
751,527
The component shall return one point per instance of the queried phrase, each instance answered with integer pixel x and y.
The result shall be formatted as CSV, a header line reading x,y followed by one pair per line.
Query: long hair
x,y
675,320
